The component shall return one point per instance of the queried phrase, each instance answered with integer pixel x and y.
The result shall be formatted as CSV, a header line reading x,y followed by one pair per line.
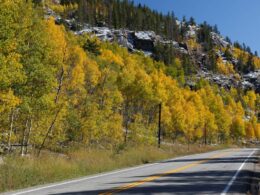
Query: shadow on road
x,y
190,183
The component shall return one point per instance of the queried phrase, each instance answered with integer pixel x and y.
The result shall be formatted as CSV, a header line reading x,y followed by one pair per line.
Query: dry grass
x,y
21,172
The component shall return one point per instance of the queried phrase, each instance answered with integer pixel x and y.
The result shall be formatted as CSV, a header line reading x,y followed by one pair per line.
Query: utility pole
x,y
205,135
159,125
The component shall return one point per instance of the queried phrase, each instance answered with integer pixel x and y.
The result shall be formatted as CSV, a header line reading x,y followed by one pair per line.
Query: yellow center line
x,y
152,178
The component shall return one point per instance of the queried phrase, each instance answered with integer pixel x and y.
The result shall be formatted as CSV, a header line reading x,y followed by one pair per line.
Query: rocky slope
x,y
146,41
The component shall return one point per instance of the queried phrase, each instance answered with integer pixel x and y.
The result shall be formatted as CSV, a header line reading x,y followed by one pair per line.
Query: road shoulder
x,y
255,182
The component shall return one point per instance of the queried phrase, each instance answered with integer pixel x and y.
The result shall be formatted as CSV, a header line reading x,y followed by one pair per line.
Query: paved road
x,y
219,172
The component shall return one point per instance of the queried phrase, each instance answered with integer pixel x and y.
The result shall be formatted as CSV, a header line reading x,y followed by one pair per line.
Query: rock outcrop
x,y
250,81
133,40
219,40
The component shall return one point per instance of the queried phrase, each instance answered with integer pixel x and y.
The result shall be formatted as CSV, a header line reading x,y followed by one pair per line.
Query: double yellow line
x,y
152,178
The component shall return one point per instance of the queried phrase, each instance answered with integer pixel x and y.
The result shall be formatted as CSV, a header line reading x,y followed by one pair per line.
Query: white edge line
x,y
82,179
102,175
230,183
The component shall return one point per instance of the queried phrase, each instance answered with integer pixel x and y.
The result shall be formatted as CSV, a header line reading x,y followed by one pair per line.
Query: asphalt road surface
x,y
219,172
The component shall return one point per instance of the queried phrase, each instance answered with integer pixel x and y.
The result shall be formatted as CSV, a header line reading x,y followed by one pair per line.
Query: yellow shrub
x,y
256,61
225,68
192,44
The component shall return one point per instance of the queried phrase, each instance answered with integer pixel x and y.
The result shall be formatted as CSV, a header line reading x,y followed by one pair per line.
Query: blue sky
x,y
238,19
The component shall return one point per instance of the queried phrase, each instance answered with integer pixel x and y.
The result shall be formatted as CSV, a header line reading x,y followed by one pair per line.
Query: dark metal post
x,y
205,136
159,125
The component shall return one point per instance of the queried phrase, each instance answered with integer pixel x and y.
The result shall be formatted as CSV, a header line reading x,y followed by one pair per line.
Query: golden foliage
x,y
104,95
256,61
8,100
193,44
225,68
109,56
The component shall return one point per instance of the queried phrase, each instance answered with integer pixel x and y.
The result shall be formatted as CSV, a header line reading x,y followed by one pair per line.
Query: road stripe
x,y
230,183
152,178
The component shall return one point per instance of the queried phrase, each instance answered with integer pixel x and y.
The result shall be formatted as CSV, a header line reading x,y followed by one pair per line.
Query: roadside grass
x,y
21,172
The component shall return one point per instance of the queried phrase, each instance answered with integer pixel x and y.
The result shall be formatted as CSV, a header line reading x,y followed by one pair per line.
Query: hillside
x,y
200,47
61,87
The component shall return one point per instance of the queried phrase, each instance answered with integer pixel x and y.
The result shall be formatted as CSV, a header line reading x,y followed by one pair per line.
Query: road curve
x,y
219,172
